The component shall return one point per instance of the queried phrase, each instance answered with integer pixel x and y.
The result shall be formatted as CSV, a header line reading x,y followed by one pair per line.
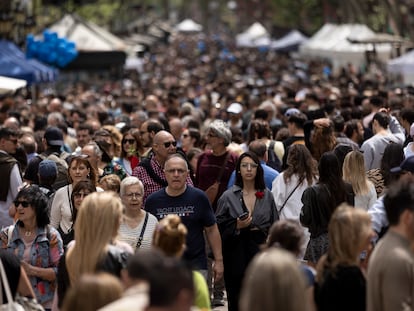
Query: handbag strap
x,y
223,167
141,236
5,284
287,199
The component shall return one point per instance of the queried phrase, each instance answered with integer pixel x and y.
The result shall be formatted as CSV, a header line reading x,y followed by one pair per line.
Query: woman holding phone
x,y
245,212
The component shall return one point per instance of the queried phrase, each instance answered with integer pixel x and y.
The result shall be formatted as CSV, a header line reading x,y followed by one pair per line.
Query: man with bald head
x,y
151,171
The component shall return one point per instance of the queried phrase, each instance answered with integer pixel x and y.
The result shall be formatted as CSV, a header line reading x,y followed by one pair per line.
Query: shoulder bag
x,y
21,303
288,197
212,191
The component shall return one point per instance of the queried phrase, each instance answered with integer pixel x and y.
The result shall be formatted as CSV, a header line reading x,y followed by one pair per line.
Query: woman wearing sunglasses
x,y
34,242
131,150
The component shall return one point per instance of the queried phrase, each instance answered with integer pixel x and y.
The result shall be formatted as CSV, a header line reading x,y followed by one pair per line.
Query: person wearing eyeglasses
x,y
194,208
244,214
151,171
137,225
9,174
34,242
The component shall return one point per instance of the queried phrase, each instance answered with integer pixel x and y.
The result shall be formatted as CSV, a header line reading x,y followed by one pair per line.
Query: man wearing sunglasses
x,y
9,174
151,171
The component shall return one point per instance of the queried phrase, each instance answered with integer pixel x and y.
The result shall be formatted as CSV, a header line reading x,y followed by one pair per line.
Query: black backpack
x,y
272,159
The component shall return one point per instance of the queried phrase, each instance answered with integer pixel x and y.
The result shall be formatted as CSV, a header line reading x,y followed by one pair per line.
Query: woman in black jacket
x,y
319,203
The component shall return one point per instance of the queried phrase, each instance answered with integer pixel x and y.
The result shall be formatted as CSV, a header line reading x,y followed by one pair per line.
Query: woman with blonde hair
x,y
353,171
340,283
273,281
95,248
103,287
170,237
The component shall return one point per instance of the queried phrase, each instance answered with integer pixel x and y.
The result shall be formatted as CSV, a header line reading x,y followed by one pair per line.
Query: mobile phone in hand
x,y
244,216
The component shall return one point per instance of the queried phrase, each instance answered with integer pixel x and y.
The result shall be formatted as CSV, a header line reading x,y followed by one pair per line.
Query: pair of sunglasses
x,y
23,203
169,143
129,141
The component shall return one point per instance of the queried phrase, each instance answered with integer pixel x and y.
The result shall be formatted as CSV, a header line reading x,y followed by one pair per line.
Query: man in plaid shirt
x,y
151,172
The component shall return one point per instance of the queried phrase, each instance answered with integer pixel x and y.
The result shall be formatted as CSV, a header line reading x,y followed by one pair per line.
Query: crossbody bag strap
x,y
223,167
71,208
141,236
287,199
148,168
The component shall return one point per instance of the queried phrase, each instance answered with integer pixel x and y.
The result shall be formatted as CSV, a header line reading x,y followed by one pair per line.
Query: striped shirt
x,y
131,235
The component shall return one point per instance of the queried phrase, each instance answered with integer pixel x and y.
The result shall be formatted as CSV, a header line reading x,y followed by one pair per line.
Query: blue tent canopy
x,y
13,63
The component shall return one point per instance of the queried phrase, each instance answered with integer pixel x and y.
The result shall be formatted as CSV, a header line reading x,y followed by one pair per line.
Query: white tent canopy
x,y
331,42
188,25
256,35
86,35
292,39
10,85
403,65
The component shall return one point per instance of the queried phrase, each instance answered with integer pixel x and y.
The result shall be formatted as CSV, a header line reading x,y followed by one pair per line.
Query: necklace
x,y
28,233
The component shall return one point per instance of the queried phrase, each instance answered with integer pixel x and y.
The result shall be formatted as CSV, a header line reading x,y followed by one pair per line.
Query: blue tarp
x,y
13,63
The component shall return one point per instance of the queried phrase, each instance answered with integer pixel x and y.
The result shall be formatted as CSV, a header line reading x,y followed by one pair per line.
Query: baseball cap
x,y
406,165
53,136
291,111
47,169
235,108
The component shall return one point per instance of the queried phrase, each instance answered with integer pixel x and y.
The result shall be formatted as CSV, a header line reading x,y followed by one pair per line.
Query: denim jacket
x,y
46,250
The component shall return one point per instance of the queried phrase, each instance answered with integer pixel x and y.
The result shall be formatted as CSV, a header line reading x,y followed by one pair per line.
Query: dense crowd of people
x,y
210,170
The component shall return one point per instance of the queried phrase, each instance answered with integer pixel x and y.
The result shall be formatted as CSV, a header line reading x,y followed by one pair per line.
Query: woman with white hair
x,y
137,225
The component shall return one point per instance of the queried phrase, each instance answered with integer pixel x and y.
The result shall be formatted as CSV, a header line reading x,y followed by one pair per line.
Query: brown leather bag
x,y
212,191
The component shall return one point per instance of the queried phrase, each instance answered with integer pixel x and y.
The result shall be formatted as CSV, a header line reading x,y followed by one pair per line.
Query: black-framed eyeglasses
x,y
169,143
25,204
129,141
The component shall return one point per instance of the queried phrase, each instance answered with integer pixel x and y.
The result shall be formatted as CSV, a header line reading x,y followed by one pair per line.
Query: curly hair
x,y
322,140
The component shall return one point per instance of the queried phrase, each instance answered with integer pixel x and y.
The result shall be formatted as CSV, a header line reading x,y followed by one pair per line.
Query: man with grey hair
x,y
192,205
214,168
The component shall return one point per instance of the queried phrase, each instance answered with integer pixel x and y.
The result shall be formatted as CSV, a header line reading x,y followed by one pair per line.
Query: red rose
x,y
259,194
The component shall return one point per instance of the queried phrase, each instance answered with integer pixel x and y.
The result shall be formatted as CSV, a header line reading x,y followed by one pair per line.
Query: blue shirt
x,y
268,172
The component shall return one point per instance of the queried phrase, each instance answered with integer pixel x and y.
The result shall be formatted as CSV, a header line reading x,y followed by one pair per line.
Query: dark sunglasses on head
x,y
169,143
186,135
129,141
23,203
